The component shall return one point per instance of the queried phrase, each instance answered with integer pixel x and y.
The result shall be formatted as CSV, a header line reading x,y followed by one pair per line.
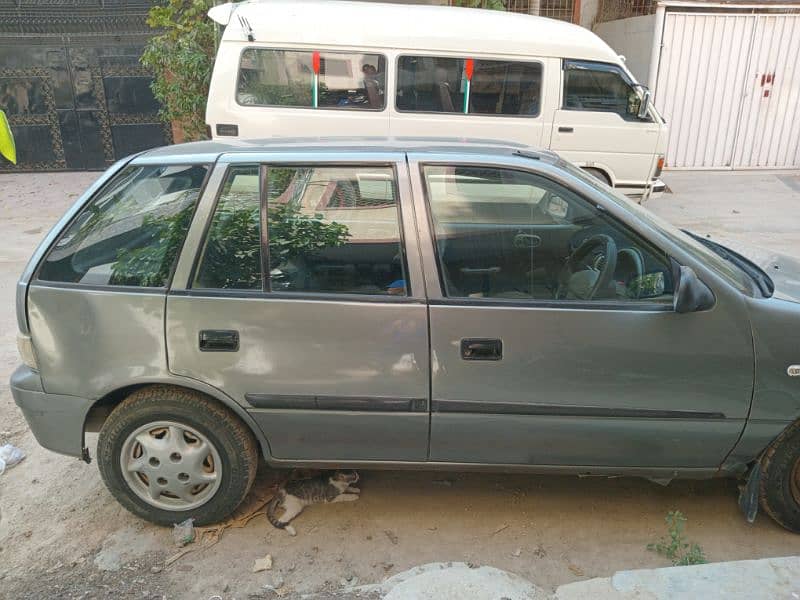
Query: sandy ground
x,y
63,536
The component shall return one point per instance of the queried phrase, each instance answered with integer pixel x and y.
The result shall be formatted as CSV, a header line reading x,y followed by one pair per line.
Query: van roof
x,y
442,145
371,25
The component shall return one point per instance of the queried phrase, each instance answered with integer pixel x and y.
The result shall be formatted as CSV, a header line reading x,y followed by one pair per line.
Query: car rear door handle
x,y
219,340
481,349
565,130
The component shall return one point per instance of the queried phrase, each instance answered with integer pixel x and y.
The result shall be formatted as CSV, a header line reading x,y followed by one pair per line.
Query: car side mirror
x,y
638,105
644,104
692,295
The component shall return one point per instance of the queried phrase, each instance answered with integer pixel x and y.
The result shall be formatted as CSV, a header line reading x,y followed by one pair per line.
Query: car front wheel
x,y
167,454
780,479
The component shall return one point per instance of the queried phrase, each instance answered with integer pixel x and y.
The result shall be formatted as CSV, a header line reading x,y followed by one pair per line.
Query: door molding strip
x,y
348,403
555,410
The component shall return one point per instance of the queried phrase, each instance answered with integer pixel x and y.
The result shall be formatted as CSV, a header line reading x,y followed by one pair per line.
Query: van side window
x,y
599,87
130,234
334,230
343,80
231,258
496,87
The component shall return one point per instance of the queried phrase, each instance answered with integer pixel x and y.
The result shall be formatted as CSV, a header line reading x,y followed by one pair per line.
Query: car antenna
x,y
247,28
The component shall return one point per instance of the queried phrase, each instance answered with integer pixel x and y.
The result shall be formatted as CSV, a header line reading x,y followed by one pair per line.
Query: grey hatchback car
x,y
393,304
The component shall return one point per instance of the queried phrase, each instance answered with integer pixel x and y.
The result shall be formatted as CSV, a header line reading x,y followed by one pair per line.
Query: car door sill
x,y
579,470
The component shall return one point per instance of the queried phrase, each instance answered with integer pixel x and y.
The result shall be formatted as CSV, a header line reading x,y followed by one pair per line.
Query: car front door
x,y
317,322
553,335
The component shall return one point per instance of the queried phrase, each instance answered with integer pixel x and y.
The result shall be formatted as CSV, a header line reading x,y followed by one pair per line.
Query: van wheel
x,y
597,174
167,454
780,479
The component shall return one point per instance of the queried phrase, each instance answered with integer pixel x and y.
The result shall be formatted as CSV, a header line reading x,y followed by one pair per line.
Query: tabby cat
x,y
295,495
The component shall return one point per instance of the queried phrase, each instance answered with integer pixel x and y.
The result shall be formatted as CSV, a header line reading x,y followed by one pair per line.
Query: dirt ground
x,y
63,536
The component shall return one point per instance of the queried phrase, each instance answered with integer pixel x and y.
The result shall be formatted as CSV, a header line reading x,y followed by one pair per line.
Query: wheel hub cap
x,y
171,466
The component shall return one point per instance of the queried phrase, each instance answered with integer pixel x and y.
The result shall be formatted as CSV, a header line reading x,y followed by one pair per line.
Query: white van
x,y
311,68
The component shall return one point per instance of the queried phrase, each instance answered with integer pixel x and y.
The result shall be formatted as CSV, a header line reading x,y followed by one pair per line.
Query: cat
x,y
295,495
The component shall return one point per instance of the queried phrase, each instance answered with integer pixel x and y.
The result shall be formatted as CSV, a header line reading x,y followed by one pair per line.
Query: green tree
x,y
181,59
489,4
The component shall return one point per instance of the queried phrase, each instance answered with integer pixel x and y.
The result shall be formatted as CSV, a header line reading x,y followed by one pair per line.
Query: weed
x,y
674,546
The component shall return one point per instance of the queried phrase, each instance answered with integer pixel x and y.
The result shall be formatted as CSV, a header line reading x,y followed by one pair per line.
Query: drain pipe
x,y
655,51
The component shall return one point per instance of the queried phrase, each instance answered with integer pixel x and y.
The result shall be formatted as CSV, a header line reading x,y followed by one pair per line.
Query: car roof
x,y
362,145
406,27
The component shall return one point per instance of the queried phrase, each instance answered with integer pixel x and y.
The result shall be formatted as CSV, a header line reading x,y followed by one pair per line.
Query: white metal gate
x,y
729,87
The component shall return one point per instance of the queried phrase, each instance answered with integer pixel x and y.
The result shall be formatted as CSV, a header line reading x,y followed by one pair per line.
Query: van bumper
x,y
657,188
56,420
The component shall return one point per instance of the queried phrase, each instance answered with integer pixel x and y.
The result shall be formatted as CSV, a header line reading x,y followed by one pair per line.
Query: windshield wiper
x,y
752,270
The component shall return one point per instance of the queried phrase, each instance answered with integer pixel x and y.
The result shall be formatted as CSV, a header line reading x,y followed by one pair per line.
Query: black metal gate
x,y
72,86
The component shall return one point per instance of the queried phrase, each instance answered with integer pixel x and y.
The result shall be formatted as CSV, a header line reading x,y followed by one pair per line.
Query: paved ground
x,y
62,535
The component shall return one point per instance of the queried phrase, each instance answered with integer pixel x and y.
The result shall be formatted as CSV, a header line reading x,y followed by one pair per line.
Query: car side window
x,y
503,233
334,230
130,234
231,258
599,87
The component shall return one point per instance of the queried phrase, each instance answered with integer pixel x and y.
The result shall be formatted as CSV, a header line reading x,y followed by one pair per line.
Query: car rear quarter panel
x,y
89,342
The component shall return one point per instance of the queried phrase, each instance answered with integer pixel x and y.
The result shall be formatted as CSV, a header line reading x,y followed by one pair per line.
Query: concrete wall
x,y
589,10
632,37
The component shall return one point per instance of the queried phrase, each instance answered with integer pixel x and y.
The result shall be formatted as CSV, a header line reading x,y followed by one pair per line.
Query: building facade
x,y
71,83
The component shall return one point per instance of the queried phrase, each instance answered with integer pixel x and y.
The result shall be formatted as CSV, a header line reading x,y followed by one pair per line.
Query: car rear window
x,y
131,232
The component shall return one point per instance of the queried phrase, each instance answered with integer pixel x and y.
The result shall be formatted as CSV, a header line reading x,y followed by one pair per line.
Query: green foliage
x,y
489,4
233,258
674,546
181,59
150,265
293,234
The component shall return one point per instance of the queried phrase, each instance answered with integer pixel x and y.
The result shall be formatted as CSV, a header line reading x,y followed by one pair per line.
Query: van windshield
x,y
728,270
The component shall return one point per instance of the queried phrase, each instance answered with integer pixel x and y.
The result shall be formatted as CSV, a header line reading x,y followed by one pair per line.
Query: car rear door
x,y
317,322
522,375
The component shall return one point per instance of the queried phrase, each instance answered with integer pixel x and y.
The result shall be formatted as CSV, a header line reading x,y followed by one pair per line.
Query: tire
x,y
176,439
780,479
597,174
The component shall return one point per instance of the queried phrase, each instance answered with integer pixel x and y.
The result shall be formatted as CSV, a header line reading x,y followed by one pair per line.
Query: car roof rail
x,y
528,154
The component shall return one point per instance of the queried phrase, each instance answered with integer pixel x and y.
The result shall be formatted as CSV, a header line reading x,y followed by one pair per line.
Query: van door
x,y
536,362
318,325
597,125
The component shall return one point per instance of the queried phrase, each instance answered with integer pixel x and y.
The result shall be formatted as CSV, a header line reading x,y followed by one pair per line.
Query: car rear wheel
x,y
167,454
780,480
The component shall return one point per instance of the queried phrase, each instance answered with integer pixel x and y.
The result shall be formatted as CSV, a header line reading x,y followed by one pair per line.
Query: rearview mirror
x,y
692,295
557,207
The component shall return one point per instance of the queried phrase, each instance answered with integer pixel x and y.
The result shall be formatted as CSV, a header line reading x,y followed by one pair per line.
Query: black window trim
x,y
266,290
124,288
603,66
533,303
285,106
538,61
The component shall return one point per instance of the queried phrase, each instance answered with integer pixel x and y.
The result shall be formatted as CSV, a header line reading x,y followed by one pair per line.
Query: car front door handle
x,y
565,130
481,349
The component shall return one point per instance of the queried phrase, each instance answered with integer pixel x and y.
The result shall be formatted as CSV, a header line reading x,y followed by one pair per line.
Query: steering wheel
x,y
588,269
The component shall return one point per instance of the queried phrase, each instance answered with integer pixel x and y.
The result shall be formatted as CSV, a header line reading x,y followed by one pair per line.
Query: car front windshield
x,y
726,269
